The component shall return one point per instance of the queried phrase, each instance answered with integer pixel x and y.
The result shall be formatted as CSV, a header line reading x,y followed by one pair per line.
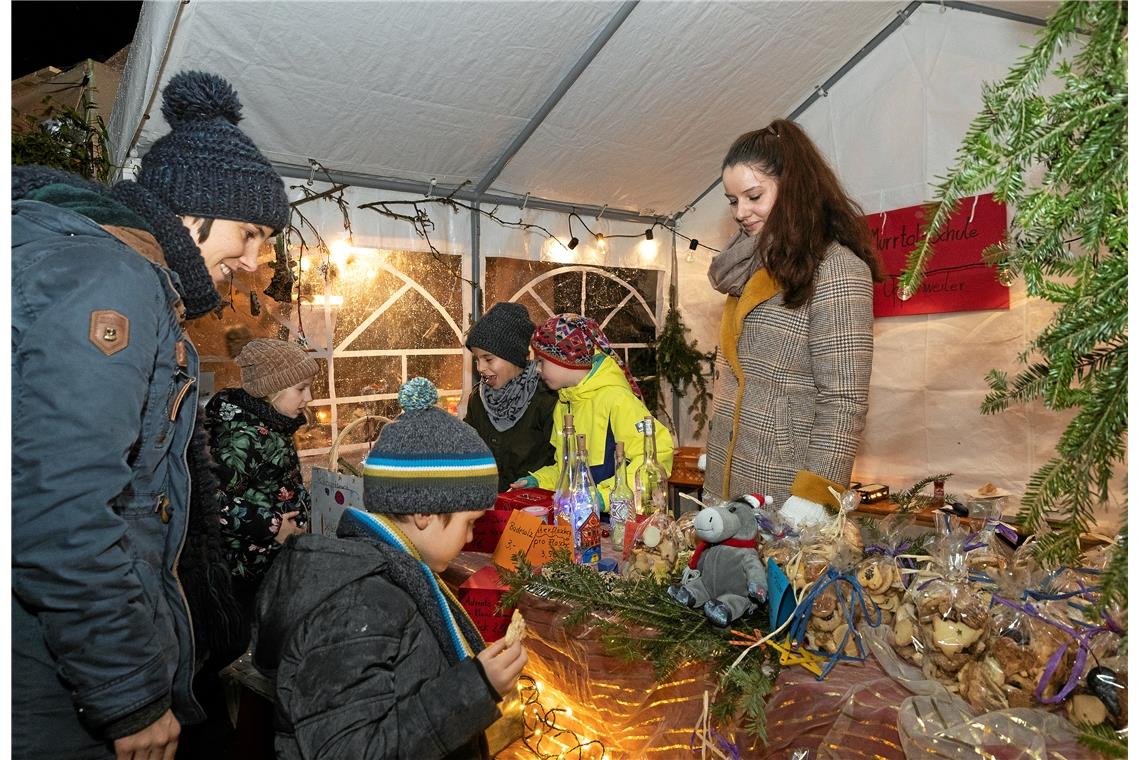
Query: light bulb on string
x,y
693,243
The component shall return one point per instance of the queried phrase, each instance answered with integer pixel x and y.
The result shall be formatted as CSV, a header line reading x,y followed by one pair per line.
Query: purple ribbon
x,y
1082,639
765,524
893,553
721,741
1008,533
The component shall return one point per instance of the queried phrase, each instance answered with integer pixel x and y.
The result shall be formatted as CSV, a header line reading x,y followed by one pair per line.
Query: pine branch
x,y
1103,739
639,622
1069,241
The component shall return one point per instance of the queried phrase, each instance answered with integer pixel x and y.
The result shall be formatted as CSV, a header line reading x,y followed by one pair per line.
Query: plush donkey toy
x,y
725,575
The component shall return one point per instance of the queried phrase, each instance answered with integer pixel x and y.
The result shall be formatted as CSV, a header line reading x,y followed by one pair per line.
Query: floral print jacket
x,y
260,476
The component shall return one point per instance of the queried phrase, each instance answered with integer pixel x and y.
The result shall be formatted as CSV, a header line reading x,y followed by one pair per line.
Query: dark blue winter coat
x,y
103,405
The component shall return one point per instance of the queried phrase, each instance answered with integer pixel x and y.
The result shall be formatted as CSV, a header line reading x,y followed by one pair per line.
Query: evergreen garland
x,y
639,622
1103,739
681,363
913,500
1069,241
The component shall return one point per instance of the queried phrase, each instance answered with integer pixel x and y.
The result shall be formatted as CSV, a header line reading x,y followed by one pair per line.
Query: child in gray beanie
x,y
372,654
511,409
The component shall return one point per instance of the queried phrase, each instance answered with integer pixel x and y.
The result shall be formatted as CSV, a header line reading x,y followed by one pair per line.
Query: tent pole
x,y
986,11
899,20
552,100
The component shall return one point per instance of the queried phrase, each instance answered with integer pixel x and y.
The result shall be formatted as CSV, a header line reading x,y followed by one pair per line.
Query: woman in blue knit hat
x,y
511,409
119,586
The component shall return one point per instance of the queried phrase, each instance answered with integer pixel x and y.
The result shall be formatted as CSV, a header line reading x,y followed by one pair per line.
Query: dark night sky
x,y
61,34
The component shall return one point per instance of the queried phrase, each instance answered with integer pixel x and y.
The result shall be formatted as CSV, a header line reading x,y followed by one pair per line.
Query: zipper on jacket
x,y
194,704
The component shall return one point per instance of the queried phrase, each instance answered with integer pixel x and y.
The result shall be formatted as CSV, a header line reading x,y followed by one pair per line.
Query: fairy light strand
x,y
541,724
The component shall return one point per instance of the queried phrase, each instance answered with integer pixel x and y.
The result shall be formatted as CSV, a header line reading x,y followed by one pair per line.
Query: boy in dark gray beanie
x,y
119,586
511,409
363,637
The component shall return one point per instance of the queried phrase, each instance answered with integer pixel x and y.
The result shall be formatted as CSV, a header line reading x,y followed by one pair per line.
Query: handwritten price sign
x,y
530,535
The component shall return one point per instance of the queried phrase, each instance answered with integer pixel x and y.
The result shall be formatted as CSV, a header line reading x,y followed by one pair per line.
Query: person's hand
x,y
502,664
288,527
520,483
158,741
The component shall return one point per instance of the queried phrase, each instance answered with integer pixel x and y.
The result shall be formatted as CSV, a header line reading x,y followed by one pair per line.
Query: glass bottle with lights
x,y
650,481
581,509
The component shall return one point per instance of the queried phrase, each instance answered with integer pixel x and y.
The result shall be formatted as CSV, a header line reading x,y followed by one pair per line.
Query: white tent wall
x,y
890,128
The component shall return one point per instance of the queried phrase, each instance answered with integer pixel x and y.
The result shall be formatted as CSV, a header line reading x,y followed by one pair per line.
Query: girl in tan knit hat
x,y
264,499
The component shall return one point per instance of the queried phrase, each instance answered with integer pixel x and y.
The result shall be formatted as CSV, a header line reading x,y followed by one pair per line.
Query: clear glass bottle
x,y
650,481
621,500
582,509
563,486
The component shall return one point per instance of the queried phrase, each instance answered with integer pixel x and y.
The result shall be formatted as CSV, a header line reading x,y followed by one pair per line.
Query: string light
x,y
540,725
649,234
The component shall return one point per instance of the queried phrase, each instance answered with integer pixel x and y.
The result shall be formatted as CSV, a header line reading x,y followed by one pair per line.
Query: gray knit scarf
x,y
731,269
505,406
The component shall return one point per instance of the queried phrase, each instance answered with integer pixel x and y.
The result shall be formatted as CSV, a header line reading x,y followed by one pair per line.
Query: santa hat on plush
x,y
811,502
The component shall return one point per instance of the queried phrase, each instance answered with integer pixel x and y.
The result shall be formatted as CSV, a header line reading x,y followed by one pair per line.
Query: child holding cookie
x,y
373,655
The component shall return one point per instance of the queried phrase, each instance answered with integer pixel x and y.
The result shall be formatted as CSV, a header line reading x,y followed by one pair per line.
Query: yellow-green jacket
x,y
606,411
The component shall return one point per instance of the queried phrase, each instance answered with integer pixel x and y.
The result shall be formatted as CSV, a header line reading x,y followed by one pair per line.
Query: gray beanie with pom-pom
x,y
428,461
206,166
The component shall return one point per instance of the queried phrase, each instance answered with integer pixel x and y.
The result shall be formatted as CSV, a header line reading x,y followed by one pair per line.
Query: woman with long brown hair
x,y
794,362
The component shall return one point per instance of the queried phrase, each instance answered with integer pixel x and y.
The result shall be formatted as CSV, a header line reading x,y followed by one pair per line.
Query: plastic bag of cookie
x,y
952,619
656,549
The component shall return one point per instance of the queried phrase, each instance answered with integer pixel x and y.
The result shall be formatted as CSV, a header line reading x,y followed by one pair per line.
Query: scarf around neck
x,y
66,190
450,623
259,410
505,406
731,269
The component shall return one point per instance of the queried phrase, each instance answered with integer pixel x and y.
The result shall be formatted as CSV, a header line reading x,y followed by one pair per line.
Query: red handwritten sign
x,y
957,279
480,595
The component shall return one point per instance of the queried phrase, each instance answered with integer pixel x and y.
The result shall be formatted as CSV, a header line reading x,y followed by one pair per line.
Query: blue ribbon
x,y
802,615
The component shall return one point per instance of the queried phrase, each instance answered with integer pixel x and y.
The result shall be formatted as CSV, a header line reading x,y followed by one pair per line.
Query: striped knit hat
x,y
427,461
570,341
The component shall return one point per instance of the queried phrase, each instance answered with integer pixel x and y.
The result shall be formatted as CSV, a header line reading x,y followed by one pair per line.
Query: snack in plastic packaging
x,y
655,551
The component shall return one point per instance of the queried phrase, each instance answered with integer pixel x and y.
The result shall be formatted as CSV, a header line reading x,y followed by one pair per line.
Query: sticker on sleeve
x,y
110,331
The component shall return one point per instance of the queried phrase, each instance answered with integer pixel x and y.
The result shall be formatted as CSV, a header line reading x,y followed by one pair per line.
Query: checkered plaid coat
x,y
790,389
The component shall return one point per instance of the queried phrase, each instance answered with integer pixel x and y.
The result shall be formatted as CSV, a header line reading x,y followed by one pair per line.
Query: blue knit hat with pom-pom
x,y
206,166
428,461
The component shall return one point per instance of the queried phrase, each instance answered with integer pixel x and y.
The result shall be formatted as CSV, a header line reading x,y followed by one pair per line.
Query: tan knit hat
x,y
268,366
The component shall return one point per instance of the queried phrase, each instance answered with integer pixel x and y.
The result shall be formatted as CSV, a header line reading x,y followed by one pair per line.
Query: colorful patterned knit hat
x,y
427,461
570,341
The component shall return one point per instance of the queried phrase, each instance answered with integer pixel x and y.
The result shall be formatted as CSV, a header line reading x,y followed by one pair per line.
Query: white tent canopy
x,y
628,105
625,109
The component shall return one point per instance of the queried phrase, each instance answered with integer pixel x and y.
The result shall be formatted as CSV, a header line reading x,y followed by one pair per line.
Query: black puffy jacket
x,y
359,671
